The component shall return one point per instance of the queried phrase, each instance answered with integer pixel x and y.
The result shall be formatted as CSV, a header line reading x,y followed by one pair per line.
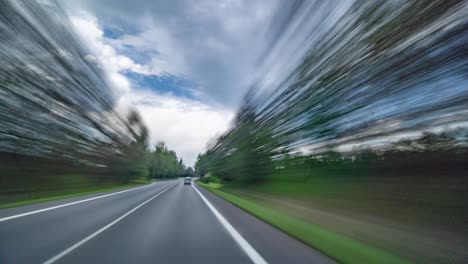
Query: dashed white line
x,y
248,249
68,204
70,249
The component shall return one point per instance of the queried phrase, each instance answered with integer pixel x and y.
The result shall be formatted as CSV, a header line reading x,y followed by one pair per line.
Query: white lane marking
x,y
70,249
248,249
68,204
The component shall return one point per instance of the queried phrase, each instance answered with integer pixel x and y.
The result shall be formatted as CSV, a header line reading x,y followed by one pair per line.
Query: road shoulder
x,y
274,245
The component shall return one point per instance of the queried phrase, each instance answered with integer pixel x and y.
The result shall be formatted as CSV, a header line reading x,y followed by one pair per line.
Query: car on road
x,y
188,181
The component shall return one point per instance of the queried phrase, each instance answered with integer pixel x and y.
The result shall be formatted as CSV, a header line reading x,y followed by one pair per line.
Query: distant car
x,y
188,181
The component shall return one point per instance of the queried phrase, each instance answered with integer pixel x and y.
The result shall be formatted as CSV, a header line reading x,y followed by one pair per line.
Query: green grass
x,y
69,195
337,246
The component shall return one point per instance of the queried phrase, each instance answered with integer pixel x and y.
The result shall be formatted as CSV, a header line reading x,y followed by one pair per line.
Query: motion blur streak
x,y
60,132
352,138
357,123
342,72
54,101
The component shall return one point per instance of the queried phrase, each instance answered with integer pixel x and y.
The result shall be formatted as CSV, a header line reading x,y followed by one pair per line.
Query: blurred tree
x,y
163,163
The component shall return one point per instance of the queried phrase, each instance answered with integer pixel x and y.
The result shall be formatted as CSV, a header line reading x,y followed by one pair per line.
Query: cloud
x,y
185,125
166,57
215,44
113,63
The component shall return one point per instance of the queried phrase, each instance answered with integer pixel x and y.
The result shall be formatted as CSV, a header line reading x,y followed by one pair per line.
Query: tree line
x,y
249,156
363,82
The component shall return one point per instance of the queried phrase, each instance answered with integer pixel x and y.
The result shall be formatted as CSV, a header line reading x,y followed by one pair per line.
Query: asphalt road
x,y
165,222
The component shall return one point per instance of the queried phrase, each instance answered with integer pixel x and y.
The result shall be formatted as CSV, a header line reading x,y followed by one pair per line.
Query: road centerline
x,y
240,240
86,239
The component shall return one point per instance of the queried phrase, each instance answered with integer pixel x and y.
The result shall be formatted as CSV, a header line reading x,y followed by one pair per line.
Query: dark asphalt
x,y
174,227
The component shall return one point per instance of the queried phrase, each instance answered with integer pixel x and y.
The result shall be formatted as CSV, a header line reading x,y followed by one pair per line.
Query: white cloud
x,y
113,63
166,55
184,125
215,44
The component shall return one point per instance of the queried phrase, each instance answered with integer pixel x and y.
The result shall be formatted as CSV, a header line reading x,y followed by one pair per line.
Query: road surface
x,y
165,222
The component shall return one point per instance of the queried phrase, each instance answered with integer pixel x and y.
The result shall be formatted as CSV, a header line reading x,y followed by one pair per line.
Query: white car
x,y
188,181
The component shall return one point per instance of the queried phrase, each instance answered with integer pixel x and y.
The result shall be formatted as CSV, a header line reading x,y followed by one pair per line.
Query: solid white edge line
x,y
68,204
248,249
70,249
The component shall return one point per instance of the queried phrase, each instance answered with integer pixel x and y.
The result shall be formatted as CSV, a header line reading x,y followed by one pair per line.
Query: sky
x,y
185,65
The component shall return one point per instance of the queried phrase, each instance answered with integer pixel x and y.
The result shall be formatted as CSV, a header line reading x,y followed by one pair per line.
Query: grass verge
x,y
337,246
58,197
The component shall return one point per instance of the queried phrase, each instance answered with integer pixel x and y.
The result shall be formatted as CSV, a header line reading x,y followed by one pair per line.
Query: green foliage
x,y
202,164
415,182
366,79
58,116
211,179
242,155
163,163
340,247
40,197
58,113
